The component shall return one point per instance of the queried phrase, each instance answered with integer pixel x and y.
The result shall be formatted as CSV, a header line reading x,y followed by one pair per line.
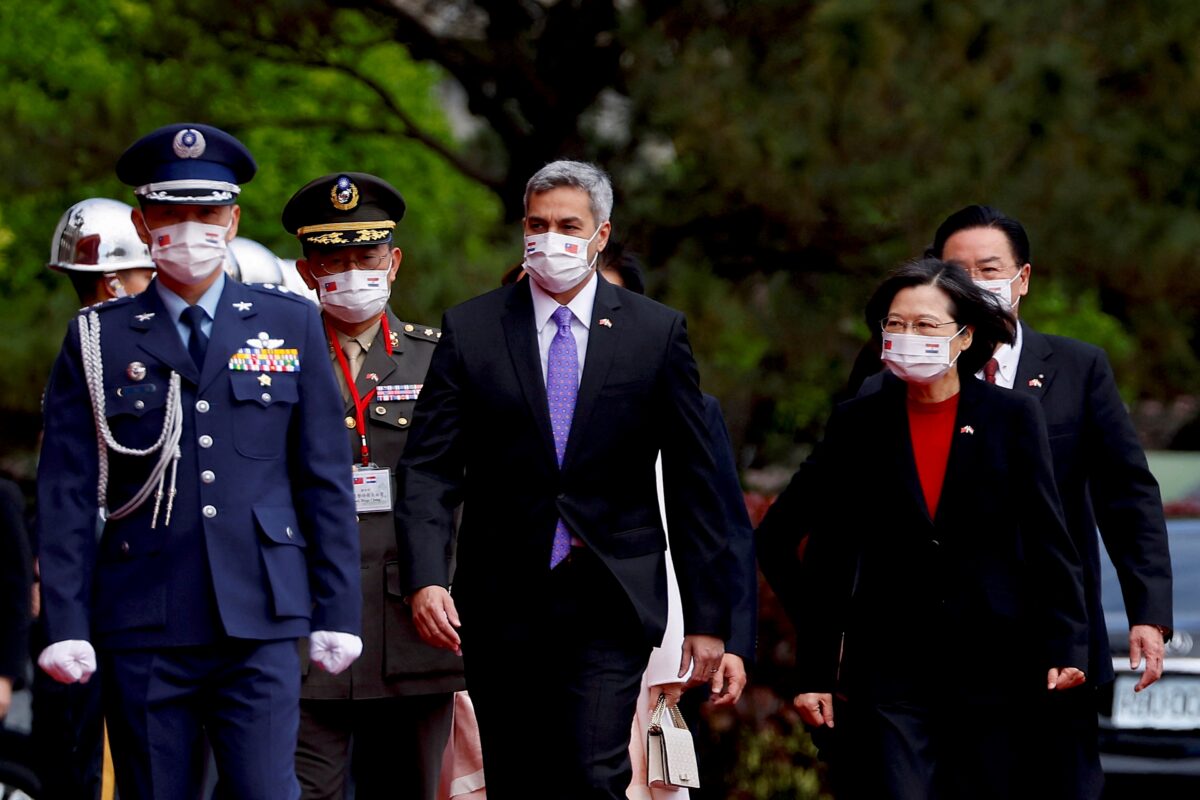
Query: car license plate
x,y
1173,703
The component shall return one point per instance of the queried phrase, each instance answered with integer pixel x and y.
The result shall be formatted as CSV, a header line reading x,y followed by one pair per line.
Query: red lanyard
x,y
360,403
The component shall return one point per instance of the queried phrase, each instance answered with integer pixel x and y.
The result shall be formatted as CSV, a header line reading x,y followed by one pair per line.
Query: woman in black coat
x,y
943,593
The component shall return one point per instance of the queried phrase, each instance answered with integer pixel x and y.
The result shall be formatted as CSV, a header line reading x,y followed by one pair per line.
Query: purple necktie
x,y
562,386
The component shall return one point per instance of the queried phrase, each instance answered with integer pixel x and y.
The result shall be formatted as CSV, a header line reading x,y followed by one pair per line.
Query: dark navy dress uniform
x,y
195,617
396,701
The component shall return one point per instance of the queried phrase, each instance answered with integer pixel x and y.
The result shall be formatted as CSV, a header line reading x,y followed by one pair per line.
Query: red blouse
x,y
931,426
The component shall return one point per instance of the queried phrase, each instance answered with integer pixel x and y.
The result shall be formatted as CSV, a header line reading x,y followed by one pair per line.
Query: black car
x,y
1153,737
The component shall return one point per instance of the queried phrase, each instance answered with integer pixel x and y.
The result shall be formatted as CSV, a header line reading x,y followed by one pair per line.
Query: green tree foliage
x,y
773,158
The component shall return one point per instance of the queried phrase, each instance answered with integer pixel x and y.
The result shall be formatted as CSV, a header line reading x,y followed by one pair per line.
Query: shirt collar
x,y
1007,356
581,304
208,301
364,339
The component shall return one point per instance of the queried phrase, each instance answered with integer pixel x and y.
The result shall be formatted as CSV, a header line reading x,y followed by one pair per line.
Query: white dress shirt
x,y
544,307
1007,356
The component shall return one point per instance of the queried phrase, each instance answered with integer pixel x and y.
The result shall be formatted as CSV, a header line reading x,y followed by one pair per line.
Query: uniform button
x,y
402,421
289,533
209,511
139,405
206,441
381,410
125,548
266,397
935,542
202,406
208,476
409,328
350,422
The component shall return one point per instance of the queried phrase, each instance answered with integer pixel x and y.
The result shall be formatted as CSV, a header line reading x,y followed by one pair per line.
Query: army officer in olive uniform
x,y
396,701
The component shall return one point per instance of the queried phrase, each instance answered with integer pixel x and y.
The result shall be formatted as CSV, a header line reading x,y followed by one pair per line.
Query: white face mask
x,y
558,262
355,295
189,252
918,359
1001,290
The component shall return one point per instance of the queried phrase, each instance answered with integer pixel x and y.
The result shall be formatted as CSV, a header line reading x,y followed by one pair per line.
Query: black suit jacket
x,y
741,569
16,566
481,435
978,602
1103,480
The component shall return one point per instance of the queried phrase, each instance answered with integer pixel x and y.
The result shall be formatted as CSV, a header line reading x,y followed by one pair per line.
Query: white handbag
x,y
670,753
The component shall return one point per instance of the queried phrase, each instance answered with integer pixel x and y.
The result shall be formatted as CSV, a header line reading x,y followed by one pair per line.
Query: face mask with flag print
x,y
1001,290
189,252
918,359
355,295
556,261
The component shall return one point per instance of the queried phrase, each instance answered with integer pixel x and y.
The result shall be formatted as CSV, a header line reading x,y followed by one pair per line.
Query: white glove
x,y
333,651
69,661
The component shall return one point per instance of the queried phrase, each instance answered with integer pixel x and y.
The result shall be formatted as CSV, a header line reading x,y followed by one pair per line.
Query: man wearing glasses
x,y
1102,478
396,700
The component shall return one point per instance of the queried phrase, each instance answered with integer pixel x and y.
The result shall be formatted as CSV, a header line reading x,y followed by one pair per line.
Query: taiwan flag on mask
x,y
164,240
571,247
330,286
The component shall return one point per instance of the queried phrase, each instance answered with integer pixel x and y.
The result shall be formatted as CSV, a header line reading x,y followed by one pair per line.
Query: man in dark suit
x,y
396,702
1100,470
546,405
229,520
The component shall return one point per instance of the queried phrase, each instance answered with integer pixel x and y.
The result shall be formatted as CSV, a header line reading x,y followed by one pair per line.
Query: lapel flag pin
x,y
372,376
966,429
1036,383
606,322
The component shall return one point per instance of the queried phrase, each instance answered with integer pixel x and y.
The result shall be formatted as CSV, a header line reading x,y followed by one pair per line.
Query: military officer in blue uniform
x,y
396,702
199,420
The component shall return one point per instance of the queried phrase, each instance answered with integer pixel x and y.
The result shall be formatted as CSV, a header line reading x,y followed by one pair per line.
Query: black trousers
x,y
1069,738
947,749
555,693
398,744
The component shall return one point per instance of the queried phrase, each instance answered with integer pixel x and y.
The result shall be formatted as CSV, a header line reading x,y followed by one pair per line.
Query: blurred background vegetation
x,y
772,159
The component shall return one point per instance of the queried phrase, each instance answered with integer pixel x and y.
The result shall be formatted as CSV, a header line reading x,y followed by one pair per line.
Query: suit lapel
x,y
231,328
1035,368
377,361
526,360
964,450
896,431
163,341
603,344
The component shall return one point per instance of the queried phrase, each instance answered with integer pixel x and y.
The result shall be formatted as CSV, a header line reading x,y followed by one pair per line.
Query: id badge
x,y
372,489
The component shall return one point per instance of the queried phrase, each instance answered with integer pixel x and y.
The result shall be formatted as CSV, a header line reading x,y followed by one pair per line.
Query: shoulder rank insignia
x,y
149,315
243,306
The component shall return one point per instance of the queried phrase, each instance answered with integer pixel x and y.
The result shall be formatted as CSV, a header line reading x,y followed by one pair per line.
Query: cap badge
x,y
344,194
189,143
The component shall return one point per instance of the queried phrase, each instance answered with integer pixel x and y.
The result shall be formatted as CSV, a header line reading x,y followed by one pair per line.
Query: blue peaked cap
x,y
187,162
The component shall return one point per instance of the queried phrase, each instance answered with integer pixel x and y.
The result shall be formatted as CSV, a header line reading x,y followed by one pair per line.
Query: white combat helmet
x,y
97,235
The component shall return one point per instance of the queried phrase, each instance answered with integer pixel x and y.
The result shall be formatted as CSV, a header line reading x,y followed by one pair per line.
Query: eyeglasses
x,y
922,327
335,264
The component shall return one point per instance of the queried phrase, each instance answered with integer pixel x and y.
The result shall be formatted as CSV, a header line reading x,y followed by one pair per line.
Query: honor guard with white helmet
x,y
200,420
96,245
396,701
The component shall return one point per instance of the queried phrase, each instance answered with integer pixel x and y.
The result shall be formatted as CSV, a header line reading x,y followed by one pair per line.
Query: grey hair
x,y
580,175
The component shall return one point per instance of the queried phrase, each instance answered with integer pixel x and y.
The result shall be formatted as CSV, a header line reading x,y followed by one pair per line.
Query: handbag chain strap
x,y
656,717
